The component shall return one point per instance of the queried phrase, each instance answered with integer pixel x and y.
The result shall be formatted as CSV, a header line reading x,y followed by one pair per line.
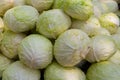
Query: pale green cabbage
x,y
35,51
19,2
71,47
115,58
58,4
10,42
78,9
103,71
102,48
52,23
58,72
18,71
111,4
118,30
99,8
116,38
110,21
4,63
5,5
21,18
40,5
90,26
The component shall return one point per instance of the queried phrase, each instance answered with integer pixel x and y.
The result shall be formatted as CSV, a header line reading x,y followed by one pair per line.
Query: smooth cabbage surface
x,y
78,9
36,51
21,18
52,23
103,71
10,42
58,72
71,47
4,63
102,48
110,21
40,5
18,71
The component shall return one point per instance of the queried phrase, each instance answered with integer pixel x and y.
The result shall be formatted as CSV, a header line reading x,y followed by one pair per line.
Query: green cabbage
x,y
71,47
35,51
10,42
40,5
21,18
18,71
102,48
103,71
52,23
58,72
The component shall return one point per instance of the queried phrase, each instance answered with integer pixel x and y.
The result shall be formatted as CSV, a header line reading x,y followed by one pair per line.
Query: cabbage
x,y
52,23
4,63
58,4
19,2
35,51
78,9
111,4
90,26
99,8
71,47
10,42
21,18
58,72
110,21
115,58
18,71
118,30
5,5
116,38
103,71
40,5
102,47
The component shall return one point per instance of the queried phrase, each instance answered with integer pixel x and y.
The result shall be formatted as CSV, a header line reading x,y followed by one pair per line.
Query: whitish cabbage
x,y
10,42
71,47
118,30
116,38
58,4
90,26
109,21
102,47
103,71
58,72
36,51
18,71
78,9
111,4
19,2
40,5
99,8
102,31
5,5
52,23
115,58
4,63
21,18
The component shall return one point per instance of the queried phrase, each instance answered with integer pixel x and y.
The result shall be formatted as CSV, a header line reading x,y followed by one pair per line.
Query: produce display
x,y
59,39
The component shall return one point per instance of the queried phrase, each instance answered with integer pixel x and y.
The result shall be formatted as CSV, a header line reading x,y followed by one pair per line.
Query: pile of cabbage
x,y
59,40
